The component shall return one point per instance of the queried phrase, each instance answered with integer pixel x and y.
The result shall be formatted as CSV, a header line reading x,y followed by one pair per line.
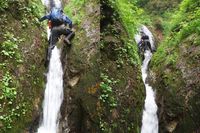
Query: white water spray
x,y
54,87
56,3
45,2
149,118
53,95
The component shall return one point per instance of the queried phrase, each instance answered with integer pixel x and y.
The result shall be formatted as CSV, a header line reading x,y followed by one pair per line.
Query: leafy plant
x,y
75,13
13,114
8,96
10,47
107,96
8,92
182,24
3,5
131,17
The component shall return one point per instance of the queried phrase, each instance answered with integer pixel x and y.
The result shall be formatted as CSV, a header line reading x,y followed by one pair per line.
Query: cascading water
x,y
53,95
149,118
52,3
54,88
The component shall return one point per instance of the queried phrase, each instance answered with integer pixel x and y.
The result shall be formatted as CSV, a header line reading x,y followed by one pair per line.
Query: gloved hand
x,y
43,18
70,26
40,20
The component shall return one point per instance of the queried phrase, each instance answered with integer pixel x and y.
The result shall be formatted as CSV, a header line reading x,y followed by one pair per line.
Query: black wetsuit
x,y
145,42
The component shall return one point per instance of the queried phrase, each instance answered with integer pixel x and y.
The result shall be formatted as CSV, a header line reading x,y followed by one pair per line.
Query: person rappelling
x,y
144,43
58,22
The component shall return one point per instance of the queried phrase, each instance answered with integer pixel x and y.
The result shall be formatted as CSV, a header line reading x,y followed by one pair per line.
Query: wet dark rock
x,y
81,72
82,111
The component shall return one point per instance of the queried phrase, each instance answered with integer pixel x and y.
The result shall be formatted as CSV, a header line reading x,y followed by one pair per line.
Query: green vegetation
x,y
8,93
19,23
184,23
158,7
108,100
10,109
175,65
120,60
73,10
107,96
131,17
3,5
9,48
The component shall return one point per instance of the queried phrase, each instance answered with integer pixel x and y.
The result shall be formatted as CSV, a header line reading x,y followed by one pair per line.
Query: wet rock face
x,y
82,74
25,67
83,62
178,89
128,92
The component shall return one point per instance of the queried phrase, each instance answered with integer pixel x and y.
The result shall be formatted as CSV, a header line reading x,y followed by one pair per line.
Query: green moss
x,y
175,64
183,23
17,59
131,17
75,10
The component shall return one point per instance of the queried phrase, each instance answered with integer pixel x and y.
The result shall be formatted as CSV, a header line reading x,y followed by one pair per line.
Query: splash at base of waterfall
x,y
53,95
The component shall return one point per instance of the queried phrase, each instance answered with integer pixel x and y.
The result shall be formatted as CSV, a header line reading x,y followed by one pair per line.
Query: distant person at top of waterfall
x,y
144,42
58,22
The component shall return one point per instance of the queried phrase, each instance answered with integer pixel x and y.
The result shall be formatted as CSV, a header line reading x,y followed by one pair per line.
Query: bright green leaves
x,y
131,17
129,14
107,96
76,14
9,48
108,99
183,23
7,96
12,115
8,92
3,5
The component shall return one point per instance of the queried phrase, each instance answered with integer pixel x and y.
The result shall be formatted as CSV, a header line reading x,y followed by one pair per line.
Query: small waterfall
x,y
52,3
57,3
149,118
53,94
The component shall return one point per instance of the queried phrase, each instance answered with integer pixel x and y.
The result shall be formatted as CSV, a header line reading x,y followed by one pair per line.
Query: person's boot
x,y
46,63
68,38
52,47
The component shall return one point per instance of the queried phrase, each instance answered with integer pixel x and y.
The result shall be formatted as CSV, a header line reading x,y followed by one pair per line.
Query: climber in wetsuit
x,y
57,22
144,42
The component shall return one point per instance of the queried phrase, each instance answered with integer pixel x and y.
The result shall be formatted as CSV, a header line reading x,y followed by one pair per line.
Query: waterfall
x,y
53,94
149,118
52,3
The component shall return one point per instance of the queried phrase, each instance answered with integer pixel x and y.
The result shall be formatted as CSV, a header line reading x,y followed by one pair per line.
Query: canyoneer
x,y
59,24
144,43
